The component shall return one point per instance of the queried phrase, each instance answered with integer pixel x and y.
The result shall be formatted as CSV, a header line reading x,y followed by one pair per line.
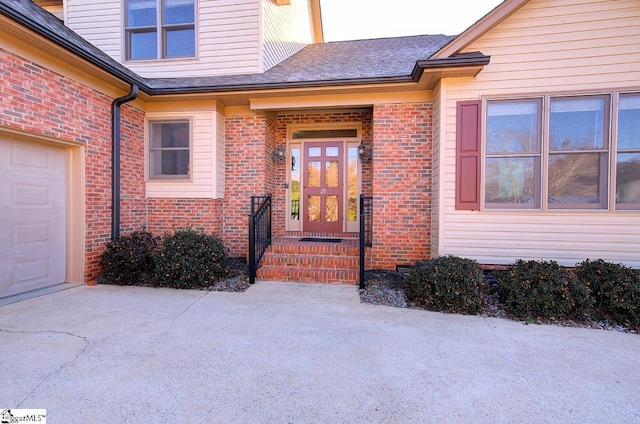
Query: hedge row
x,y
182,259
532,290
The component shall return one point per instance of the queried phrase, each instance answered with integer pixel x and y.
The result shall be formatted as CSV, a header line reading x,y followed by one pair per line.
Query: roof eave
x,y
71,47
474,63
277,86
429,72
477,59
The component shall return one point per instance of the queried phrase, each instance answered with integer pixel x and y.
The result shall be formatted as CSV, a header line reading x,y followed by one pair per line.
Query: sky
x,y
360,19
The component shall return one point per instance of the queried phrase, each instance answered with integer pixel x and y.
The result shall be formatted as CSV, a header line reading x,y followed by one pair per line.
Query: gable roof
x,y
481,27
383,60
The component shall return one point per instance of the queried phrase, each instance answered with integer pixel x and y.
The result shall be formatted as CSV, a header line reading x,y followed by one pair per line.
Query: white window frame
x,y
149,163
160,30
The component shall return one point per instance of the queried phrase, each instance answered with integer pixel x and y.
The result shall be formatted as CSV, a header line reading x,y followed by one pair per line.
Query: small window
x,y
295,183
160,29
346,133
352,184
169,150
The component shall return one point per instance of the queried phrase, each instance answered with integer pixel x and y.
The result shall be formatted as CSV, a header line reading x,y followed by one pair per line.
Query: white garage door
x,y
32,216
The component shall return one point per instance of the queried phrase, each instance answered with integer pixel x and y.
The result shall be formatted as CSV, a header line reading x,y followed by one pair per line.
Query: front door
x,y
323,189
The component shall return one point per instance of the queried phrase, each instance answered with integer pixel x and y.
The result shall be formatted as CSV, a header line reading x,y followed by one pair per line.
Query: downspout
x,y
115,154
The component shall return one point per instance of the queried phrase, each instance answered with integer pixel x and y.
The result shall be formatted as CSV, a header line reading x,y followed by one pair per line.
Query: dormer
x,y
194,38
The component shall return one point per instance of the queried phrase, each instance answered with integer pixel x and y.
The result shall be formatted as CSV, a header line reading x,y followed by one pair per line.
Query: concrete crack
x,y
62,366
192,303
167,318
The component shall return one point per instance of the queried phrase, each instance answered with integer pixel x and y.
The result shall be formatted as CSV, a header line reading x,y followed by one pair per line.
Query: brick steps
x,y
288,259
308,275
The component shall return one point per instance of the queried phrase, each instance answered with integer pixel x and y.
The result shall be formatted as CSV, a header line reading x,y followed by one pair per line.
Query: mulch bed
x,y
384,287
238,279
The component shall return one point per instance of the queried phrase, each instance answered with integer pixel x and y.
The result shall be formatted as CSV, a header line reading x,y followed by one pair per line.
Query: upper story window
x,y
160,29
169,149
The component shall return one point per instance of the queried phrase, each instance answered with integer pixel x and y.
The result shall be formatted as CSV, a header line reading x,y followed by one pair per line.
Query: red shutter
x,y
468,155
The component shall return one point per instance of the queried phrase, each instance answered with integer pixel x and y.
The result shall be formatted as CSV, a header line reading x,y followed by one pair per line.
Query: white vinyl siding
x,y
227,37
286,30
220,157
548,47
205,158
435,200
100,22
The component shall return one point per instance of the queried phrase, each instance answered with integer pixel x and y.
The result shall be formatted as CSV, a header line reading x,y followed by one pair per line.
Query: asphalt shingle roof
x,y
336,61
325,63
37,19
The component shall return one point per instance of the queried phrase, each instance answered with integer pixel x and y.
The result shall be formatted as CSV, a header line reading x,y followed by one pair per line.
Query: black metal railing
x,y
259,232
366,231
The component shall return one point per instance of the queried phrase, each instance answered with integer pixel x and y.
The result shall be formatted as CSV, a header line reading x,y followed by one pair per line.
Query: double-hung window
x,y
628,153
160,29
578,153
169,149
547,152
513,154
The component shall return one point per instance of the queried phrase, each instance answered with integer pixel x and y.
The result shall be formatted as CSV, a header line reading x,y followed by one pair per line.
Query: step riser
x,y
311,261
315,249
300,234
308,275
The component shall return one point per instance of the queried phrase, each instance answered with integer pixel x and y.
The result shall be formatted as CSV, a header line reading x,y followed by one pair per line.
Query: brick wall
x,y
273,168
245,175
402,160
165,215
40,101
133,202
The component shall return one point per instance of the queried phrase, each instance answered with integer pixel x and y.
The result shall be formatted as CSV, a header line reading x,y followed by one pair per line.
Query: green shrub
x,y
615,288
542,290
448,284
189,259
127,260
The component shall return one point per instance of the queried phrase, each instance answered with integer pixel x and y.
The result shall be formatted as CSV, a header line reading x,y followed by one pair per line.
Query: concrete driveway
x,y
302,353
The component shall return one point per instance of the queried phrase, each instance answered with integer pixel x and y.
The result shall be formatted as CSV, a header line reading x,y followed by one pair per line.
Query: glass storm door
x,y
323,188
